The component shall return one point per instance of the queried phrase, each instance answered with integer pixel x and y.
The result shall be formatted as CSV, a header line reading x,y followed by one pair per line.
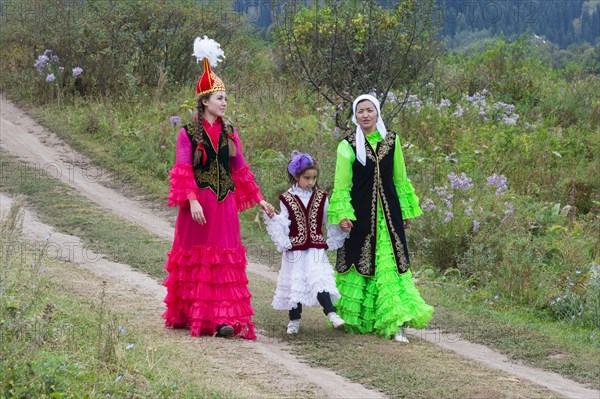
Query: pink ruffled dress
x,y
207,284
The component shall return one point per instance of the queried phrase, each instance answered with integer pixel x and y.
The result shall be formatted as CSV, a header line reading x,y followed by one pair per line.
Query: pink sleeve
x,y
247,192
183,183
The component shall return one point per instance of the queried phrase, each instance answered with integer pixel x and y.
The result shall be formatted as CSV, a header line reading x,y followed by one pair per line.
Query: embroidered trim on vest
x,y
215,174
306,223
381,193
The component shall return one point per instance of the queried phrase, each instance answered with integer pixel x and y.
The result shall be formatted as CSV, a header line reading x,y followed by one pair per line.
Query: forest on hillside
x,y
563,22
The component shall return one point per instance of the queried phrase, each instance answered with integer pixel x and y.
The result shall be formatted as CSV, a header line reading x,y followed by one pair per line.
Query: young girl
x,y
306,276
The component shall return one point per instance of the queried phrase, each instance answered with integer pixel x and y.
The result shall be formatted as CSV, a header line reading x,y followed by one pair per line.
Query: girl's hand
x,y
268,208
406,223
197,212
346,225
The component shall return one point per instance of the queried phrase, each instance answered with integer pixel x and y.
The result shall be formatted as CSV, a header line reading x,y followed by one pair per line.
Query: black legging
x,y
324,299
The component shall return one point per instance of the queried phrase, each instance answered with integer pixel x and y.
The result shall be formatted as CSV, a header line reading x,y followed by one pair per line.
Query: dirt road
x,y
23,137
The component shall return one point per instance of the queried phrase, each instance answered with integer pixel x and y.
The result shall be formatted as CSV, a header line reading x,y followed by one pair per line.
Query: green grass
x,y
71,213
55,343
416,370
557,346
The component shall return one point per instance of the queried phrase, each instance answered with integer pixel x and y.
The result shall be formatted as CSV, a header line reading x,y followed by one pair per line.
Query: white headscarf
x,y
361,153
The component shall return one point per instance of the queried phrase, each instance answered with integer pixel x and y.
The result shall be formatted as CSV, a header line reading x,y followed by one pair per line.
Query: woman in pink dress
x,y
207,287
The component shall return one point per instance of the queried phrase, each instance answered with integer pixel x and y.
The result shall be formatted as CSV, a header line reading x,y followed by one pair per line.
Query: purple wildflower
x,y
428,205
440,191
174,120
468,211
50,78
509,209
41,63
414,102
510,121
497,181
461,182
476,226
77,71
459,111
61,69
445,103
449,216
54,58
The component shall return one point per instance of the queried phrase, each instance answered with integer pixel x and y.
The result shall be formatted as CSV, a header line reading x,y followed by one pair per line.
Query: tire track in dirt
x,y
140,291
23,137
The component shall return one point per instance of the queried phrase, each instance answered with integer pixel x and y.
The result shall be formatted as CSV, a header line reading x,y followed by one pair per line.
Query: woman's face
x,y
308,179
366,116
215,105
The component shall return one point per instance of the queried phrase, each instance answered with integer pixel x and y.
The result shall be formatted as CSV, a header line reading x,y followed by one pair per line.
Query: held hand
x,y
346,225
406,223
197,212
268,208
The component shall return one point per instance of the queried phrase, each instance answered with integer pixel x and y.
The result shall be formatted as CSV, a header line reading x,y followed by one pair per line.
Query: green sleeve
x,y
409,202
339,204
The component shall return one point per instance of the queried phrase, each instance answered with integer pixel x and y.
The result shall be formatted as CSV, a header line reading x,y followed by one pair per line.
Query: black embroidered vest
x,y
373,184
215,173
306,222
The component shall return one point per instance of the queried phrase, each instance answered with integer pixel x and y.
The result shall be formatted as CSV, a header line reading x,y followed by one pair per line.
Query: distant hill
x,y
563,22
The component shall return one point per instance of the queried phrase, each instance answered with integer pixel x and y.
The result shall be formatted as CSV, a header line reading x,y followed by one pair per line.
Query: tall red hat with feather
x,y
208,51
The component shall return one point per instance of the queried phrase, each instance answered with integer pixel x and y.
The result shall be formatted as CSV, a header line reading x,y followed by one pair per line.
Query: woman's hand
x,y
268,208
406,223
197,212
346,225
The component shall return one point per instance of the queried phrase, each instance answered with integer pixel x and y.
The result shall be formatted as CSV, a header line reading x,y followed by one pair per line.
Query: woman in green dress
x,y
374,200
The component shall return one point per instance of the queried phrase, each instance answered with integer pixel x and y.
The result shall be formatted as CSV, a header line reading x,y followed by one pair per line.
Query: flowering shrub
x,y
475,107
456,211
48,67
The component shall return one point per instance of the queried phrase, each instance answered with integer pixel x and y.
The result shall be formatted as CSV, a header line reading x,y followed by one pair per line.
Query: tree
x,y
346,48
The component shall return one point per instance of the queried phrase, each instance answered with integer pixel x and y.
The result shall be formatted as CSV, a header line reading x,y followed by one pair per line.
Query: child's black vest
x,y
215,173
373,184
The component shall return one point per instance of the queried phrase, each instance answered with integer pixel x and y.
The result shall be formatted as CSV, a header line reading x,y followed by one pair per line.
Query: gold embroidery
x,y
385,145
313,213
397,242
216,174
340,265
299,216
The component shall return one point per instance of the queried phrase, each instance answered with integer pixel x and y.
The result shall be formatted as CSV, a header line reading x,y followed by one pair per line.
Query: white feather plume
x,y
209,49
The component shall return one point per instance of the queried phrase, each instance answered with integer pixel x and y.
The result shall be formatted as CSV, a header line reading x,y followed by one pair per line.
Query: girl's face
x,y
366,116
308,179
215,105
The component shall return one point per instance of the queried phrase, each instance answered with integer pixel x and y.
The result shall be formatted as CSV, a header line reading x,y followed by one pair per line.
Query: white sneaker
x,y
336,321
400,337
293,326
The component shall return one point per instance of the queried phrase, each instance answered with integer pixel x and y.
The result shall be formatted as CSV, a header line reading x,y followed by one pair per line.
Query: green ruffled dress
x,y
388,300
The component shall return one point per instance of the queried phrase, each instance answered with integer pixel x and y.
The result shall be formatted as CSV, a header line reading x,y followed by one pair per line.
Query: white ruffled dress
x,y
304,273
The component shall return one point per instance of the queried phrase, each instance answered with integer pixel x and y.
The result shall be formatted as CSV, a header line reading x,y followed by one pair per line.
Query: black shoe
x,y
225,331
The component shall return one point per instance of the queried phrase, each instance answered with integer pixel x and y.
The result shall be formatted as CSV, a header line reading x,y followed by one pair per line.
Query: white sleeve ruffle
x,y
335,236
279,229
